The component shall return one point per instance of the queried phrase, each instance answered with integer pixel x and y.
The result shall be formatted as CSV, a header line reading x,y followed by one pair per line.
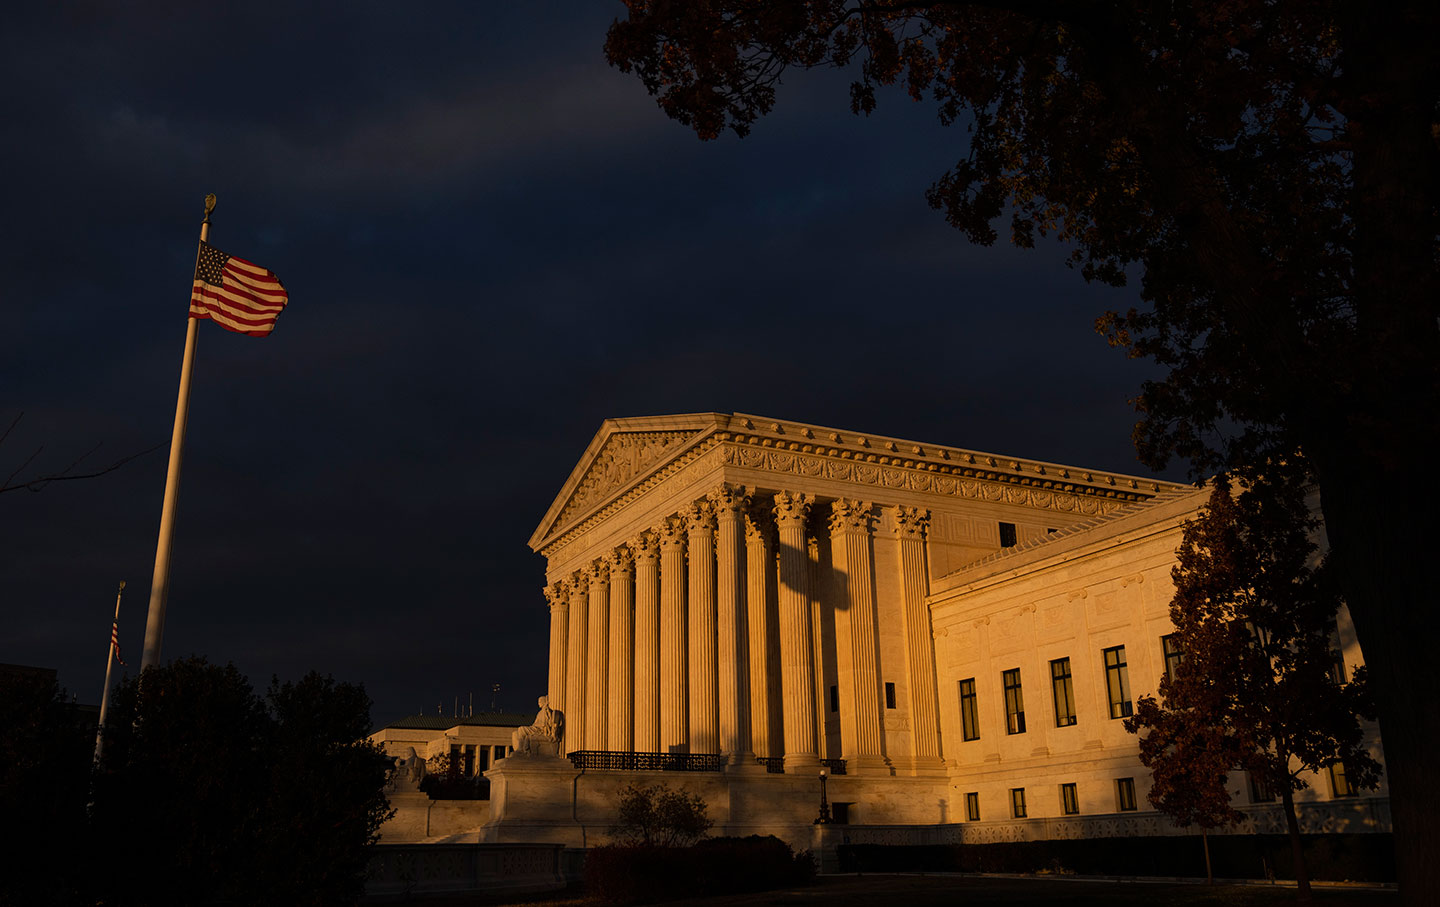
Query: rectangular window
x,y
889,695
1170,644
1017,802
1260,791
834,698
1064,692
1014,702
1339,784
972,806
1007,535
969,713
1069,800
1125,794
1117,682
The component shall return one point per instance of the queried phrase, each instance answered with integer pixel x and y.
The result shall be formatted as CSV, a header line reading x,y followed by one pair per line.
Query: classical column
x,y
911,524
731,642
620,736
647,642
557,594
674,688
704,682
818,583
597,689
850,542
575,663
759,568
797,662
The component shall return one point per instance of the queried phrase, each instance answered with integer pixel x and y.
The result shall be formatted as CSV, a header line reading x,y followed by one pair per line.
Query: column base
x,y
743,764
868,766
923,767
801,763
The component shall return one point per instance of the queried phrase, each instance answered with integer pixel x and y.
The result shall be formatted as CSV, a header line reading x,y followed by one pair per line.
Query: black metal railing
x,y
606,760
774,765
836,766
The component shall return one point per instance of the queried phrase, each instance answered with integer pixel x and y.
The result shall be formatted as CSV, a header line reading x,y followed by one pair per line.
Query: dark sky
x,y
492,242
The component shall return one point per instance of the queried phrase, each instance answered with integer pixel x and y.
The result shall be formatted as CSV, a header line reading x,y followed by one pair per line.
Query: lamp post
x,y
824,804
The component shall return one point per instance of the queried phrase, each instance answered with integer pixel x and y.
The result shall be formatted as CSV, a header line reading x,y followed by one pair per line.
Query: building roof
x,y
445,722
1169,508
626,454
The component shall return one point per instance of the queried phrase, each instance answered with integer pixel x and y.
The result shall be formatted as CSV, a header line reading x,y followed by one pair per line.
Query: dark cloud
x,y
492,242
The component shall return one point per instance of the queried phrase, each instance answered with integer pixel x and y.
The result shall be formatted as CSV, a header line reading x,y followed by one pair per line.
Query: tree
x,y
1272,169
1189,761
45,750
1253,609
659,816
15,481
208,793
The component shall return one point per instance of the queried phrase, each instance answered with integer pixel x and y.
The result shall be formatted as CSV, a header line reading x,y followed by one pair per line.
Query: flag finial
x,y
209,207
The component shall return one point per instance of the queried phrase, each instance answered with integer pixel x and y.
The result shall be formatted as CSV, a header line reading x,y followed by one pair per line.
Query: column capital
x,y
621,560
671,532
759,522
599,571
909,522
558,595
850,516
792,509
578,583
728,501
645,546
700,516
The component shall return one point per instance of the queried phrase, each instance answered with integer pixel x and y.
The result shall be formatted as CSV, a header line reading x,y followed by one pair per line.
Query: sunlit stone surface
x,y
804,595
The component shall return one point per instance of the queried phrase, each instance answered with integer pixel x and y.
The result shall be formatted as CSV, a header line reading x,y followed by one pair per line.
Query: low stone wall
x,y
401,870
417,818
1366,815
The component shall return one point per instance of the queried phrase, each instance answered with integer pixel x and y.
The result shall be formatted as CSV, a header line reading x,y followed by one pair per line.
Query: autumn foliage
x,y
1258,690
1268,169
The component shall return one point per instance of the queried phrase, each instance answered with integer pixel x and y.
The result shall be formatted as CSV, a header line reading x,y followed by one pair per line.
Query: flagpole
x,y
160,583
109,662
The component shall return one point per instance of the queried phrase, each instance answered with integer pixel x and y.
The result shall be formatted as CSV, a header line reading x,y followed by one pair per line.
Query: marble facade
x,y
781,596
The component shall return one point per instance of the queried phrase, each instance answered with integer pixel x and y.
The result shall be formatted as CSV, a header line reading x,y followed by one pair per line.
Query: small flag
x,y
115,641
238,295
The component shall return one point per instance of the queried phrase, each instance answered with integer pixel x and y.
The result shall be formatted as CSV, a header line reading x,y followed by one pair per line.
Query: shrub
x,y
658,816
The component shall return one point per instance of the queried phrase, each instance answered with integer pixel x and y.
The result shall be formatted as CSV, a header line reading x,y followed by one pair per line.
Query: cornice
x,y
773,446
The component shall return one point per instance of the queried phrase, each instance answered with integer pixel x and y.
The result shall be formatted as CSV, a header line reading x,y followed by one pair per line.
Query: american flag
x,y
115,641
238,295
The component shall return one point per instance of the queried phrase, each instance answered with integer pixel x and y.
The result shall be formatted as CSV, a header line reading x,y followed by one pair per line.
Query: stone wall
x,y
406,869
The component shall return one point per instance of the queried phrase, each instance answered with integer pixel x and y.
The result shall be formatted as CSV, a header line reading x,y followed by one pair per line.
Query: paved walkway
x,y
983,891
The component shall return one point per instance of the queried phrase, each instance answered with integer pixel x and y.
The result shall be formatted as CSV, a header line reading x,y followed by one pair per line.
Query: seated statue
x,y
543,737
408,772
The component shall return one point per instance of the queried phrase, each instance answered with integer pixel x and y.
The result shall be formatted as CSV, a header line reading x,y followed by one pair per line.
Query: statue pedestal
x,y
532,801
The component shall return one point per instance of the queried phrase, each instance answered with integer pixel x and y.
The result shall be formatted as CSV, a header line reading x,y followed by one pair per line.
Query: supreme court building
x,y
736,602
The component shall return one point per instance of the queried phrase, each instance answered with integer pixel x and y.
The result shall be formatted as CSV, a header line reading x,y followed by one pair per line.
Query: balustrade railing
x,y
774,765
606,760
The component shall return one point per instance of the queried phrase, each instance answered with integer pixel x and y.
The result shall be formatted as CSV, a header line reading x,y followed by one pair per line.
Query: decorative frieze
x,y
1037,488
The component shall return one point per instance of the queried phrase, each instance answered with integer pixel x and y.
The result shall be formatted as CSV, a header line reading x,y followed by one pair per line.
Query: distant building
x,y
952,635
475,742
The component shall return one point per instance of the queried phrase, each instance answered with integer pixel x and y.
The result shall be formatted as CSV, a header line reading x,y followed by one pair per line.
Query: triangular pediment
x,y
621,455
